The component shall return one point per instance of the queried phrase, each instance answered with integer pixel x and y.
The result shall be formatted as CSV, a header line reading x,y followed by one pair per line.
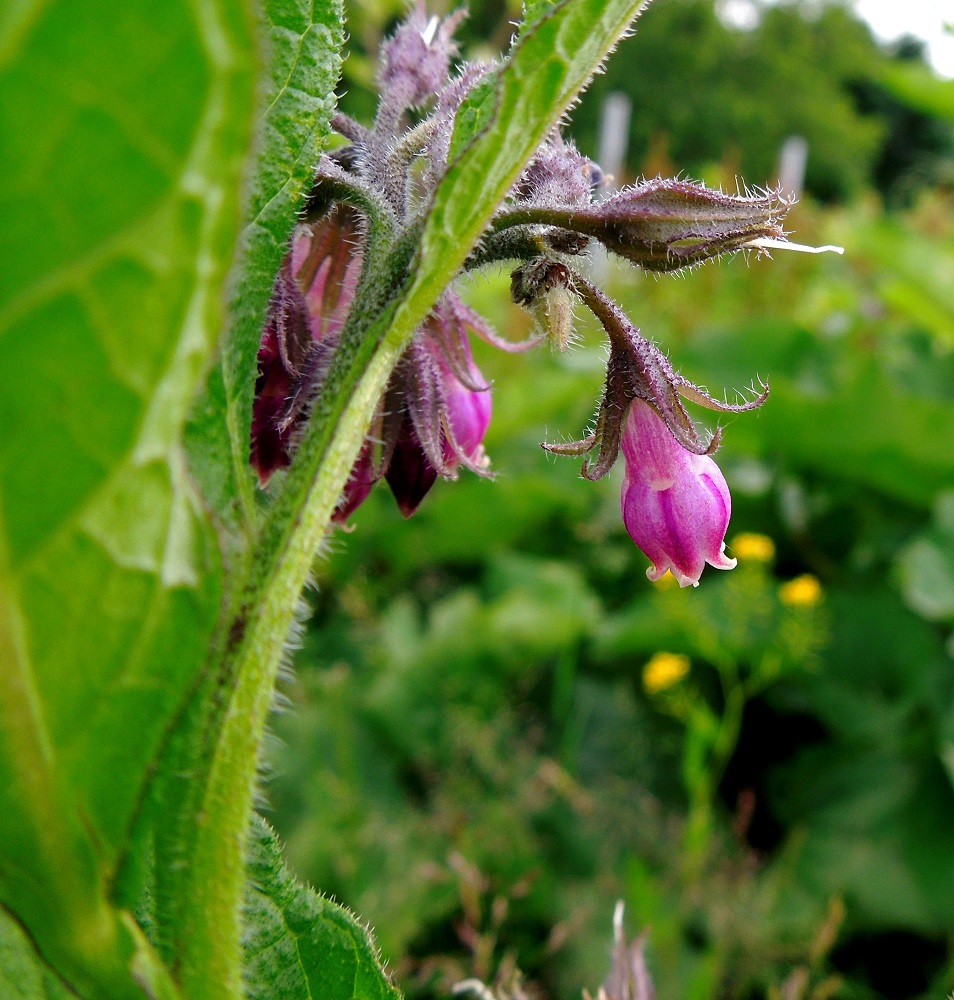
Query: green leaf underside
x,y
300,945
123,152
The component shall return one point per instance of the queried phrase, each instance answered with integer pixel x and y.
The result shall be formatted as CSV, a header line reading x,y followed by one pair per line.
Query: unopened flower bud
x,y
663,225
558,174
416,60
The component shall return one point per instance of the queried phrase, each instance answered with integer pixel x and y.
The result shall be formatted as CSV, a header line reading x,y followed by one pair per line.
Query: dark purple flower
x,y
410,474
310,302
675,503
359,485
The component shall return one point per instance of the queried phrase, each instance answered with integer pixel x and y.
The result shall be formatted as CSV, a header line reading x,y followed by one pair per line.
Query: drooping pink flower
x,y
467,400
675,504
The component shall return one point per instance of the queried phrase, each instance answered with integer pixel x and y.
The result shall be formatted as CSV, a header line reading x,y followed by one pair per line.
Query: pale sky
x,y
890,19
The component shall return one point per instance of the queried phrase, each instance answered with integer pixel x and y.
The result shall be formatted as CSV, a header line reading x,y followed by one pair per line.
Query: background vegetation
x,y
475,760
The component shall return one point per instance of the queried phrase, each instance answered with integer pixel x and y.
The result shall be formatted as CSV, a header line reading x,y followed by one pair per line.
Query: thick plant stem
x,y
218,857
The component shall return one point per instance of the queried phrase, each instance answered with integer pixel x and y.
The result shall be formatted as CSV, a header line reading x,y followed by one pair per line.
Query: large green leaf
x,y
125,131
298,944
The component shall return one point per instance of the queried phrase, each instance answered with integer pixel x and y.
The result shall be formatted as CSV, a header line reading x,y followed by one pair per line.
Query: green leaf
x,y
876,831
298,944
926,565
23,974
914,274
125,132
918,87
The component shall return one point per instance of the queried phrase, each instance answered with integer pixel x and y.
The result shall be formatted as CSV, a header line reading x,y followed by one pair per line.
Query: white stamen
x,y
430,31
770,244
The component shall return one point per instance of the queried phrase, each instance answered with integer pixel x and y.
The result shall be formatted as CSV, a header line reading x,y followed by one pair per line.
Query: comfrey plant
x,y
434,413
148,586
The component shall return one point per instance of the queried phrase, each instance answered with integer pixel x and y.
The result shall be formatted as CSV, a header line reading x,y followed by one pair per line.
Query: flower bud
x,y
542,286
558,174
416,60
663,225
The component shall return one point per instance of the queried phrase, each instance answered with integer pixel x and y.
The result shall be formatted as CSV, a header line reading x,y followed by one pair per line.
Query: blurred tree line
x,y
705,90
716,101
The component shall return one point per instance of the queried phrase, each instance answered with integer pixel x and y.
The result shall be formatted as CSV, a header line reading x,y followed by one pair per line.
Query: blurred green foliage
x,y
473,760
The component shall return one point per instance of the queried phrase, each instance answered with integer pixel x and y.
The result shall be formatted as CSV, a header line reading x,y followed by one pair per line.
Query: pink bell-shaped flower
x,y
675,504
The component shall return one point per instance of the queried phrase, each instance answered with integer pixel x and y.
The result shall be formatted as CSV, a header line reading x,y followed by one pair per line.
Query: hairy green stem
x,y
209,946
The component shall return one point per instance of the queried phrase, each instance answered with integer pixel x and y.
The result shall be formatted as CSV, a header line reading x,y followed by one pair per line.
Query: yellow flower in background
x,y
664,671
804,591
750,547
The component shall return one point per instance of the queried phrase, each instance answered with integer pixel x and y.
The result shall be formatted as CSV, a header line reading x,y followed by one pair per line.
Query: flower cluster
x,y
434,413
